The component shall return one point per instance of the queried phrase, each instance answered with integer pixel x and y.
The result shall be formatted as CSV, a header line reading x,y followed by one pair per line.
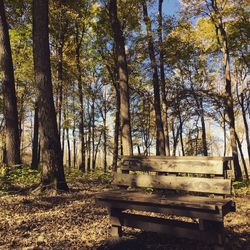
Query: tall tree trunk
x,y
117,128
52,173
229,103
230,113
243,111
69,150
242,156
224,134
203,127
162,75
9,93
181,134
74,129
82,165
105,145
60,88
34,163
123,79
160,139
89,139
93,133
105,131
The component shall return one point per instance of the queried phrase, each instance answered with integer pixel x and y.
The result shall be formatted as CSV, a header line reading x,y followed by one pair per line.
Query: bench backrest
x,y
192,174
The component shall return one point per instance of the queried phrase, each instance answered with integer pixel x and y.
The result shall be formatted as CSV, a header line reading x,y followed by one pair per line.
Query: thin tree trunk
x,y
93,133
104,145
89,139
9,93
181,134
229,103
245,125
242,156
117,128
69,150
203,127
74,129
162,75
63,144
160,139
126,137
82,165
34,163
224,134
52,173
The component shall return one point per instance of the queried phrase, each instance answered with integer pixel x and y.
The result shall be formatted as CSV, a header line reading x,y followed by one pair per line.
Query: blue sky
x,y
170,7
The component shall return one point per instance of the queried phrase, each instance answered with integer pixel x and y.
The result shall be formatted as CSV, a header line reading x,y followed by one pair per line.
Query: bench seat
x,y
175,204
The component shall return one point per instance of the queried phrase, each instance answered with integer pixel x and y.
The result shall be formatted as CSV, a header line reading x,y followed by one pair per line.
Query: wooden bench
x,y
194,187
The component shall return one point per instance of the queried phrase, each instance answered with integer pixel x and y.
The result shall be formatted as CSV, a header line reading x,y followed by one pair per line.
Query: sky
x,y
170,7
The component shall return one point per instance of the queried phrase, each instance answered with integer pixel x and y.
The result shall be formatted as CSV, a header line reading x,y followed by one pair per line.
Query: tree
x,y
123,79
9,93
217,11
160,139
52,162
162,75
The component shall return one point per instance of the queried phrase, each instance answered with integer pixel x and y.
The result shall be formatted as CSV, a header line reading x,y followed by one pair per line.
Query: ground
x,y
73,221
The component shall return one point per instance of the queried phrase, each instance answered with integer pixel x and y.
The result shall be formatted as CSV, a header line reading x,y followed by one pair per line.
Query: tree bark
x,y
229,103
244,116
93,132
117,128
9,93
34,163
123,79
242,156
82,165
162,75
160,139
52,162
203,126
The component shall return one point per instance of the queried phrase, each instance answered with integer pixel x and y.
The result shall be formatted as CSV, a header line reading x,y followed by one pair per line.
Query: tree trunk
x,y
89,139
9,93
229,103
82,165
162,75
52,173
123,79
181,133
245,125
104,145
224,134
242,156
93,132
69,151
117,128
34,163
74,129
203,126
160,139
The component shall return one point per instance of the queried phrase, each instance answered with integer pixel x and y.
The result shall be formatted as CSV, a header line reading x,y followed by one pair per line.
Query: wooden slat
x,y
197,165
178,211
173,228
193,184
185,201
194,158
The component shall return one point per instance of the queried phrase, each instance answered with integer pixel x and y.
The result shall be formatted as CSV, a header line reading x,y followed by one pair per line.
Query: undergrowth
x,y
21,176
241,187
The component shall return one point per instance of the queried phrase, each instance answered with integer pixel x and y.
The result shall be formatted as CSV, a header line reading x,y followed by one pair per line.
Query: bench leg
x,y
218,226
115,220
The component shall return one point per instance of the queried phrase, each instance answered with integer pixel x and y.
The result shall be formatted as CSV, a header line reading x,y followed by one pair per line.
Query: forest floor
x,y
73,221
